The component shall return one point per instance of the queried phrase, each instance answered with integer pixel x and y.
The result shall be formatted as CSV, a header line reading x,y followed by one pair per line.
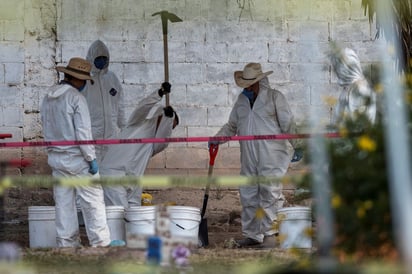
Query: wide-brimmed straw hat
x,y
78,68
251,74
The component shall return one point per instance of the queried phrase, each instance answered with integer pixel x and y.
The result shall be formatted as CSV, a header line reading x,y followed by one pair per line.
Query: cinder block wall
x,y
215,38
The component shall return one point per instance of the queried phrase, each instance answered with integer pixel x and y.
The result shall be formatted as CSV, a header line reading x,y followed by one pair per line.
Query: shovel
x,y
203,234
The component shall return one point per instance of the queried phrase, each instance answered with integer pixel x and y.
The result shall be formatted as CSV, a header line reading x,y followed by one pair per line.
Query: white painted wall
x,y
215,38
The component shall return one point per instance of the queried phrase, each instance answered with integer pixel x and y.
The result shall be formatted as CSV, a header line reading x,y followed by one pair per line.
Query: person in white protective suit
x,y
356,97
261,110
65,116
148,120
105,97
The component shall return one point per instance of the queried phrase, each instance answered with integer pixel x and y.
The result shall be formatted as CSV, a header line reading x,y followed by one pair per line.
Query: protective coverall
x,y
269,115
132,159
357,96
65,116
104,97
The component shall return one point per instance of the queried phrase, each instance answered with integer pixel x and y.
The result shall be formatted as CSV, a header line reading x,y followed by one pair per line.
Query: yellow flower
x,y
260,213
336,201
329,100
360,212
368,204
343,132
378,88
366,143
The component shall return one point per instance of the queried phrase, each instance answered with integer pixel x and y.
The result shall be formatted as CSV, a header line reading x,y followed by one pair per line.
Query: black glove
x,y
165,89
168,111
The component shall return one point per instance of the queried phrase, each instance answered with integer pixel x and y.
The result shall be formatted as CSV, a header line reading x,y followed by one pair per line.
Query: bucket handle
x,y
181,227
127,221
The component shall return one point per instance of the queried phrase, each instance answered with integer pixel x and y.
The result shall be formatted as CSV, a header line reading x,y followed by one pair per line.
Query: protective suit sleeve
x,y
285,118
121,117
82,125
141,111
230,128
164,130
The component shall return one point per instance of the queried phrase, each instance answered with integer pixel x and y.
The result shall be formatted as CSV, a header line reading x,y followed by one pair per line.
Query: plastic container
x,y
115,221
184,223
295,224
140,225
42,226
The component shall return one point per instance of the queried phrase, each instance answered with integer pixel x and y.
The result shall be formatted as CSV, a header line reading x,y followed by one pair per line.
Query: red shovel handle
x,y
213,148
18,162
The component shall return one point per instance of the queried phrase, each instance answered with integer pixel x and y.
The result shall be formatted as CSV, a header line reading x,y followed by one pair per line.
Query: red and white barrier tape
x,y
166,140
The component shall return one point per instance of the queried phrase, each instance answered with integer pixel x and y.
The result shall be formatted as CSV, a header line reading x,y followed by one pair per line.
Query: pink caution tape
x,y
166,140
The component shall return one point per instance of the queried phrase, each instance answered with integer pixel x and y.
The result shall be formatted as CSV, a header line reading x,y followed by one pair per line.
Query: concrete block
x,y
207,95
186,73
11,96
300,30
348,31
322,94
31,98
193,116
216,53
13,73
219,73
33,128
131,51
320,10
218,116
2,74
13,30
250,52
311,73
143,73
341,10
281,72
16,132
186,158
11,10
296,10
154,51
296,93
11,52
200,132
14,117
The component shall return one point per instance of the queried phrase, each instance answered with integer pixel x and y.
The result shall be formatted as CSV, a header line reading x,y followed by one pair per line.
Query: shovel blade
x,y
203,233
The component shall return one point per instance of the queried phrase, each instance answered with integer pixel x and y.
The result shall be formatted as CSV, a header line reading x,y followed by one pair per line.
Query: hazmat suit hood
x,y
96,49
347,66
58,92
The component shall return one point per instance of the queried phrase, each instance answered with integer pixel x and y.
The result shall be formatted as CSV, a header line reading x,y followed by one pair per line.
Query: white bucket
x,y
184,223
115,221
140,225
295,224
42,226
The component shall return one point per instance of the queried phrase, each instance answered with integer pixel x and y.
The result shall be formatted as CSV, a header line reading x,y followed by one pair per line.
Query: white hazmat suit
x,y
65,116
269,115
357,96
105,99
132,159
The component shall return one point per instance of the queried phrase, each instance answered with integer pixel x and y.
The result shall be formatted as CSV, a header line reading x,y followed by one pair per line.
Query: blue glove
x,y
297,155
94,168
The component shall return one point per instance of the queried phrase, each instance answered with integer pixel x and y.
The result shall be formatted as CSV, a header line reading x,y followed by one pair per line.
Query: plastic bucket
x,y
115,222
184,223
140,225
295,224
42,226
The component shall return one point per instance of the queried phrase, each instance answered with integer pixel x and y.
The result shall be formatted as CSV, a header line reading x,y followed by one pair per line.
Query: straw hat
x,y
78,68
251,74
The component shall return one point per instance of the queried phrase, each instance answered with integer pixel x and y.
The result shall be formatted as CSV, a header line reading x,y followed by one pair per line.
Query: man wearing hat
x,y
260,110
65,116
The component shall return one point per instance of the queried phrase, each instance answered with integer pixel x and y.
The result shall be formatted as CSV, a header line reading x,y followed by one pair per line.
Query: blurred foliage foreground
x,y
360,186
